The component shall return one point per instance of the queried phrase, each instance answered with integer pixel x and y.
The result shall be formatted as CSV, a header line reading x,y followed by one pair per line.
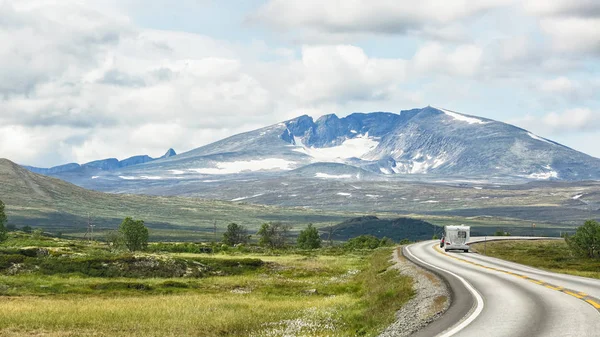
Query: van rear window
x,y
462,234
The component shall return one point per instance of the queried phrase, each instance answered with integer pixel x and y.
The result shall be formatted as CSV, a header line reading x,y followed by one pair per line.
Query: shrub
x,y
586,241
235,234
273,235
363,242
309,238
27,229
174,284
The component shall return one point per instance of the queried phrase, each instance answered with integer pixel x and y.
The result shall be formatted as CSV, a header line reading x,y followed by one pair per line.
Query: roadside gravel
x,y
431,300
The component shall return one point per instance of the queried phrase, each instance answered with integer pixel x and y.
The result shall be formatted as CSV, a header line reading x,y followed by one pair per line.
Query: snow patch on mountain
x,y
343,194
247,166
244,198
538,138
177,172
351,148
140,178
576,197
420,164
462,118
151,177
331,176
544,175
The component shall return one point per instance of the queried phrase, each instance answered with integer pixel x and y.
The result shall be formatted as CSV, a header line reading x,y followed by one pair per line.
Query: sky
x,y
82,80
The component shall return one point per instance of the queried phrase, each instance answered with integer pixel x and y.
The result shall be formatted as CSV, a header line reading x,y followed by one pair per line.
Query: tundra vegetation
x,y
63,287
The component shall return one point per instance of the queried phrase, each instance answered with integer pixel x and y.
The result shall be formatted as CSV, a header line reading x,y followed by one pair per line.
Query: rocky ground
x,y
431,300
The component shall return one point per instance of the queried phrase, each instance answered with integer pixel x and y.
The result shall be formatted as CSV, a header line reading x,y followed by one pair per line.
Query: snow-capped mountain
x,y
427,142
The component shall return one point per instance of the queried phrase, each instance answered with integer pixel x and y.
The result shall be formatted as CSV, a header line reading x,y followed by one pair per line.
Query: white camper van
x,y
456,238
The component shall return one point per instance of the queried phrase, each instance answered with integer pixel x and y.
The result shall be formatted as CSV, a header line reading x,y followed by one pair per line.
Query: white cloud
x,y
579,119
573,120
344,72
572,90
464,60
572,25
559,85
581,8
362,16
573,34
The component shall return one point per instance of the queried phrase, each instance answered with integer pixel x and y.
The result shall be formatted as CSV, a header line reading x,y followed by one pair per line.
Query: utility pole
x,y
90,229
215,230
485,246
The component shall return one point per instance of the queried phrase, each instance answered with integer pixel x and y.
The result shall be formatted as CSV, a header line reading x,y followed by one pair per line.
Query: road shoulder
x,y
432,299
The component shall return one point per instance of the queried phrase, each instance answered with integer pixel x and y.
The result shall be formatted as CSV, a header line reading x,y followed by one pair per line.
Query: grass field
x,y
318,293
552,255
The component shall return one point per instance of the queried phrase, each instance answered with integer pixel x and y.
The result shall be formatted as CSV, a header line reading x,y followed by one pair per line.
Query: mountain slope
x,y
37,200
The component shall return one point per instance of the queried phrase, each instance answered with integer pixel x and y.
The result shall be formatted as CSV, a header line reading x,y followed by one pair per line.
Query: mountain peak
x,y
170,153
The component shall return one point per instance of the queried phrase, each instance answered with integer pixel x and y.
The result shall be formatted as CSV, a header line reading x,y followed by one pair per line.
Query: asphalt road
x,y
493,297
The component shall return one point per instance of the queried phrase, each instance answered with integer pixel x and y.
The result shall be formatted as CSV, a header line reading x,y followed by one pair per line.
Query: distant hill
x,y
56,205
103,164
395,229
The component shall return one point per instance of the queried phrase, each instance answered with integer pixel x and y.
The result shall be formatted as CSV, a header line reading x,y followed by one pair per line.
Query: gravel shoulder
x,y
432,299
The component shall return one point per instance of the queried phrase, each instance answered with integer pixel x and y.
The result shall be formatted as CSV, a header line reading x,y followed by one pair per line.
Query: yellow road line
x,y
593,303
579,295
573,294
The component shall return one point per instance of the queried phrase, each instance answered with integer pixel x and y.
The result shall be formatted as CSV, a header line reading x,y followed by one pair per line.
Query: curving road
x,y
493,297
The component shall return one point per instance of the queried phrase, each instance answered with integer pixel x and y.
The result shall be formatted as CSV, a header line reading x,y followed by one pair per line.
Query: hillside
x,y
55,205
395,229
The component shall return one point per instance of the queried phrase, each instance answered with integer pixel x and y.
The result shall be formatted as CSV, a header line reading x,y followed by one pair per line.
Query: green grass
x,y
551,255
318,293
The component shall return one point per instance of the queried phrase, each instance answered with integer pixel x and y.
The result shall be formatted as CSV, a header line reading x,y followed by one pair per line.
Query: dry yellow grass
x,y
175,315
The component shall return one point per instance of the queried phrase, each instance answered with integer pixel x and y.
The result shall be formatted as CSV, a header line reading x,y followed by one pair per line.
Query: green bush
x,y
117,285
187,247
309,238
586,241
367,242
174,284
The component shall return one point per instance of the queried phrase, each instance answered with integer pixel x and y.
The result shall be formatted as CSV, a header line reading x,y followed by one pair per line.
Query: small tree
x,y
309,238
235,234
586,241
115,239
135,234
27,229
273,234
3,230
